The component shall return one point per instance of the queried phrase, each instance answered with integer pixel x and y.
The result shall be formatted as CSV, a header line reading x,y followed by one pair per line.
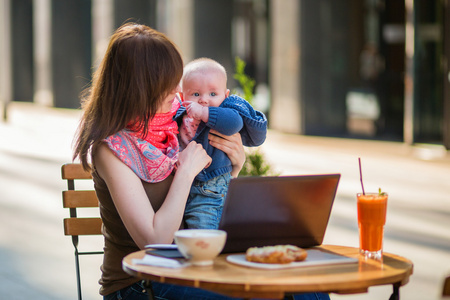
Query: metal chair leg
x,y
77,267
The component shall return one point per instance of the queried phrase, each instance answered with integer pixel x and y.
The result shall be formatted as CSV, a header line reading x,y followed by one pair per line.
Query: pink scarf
x,y
152,158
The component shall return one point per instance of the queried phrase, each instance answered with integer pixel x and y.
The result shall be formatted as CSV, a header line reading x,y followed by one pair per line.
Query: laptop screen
x,y
263,211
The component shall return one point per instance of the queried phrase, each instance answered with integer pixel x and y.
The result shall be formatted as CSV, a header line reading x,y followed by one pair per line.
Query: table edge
x,y
231,289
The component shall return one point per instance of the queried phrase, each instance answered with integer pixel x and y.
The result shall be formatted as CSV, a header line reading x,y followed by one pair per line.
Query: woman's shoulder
x,y
108,165
102,156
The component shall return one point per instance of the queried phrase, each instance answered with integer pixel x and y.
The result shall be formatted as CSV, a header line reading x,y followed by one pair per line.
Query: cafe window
x,y
428,88
250,40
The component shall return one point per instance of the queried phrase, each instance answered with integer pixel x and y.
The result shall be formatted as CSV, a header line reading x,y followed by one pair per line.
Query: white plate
x,y
315,257
162,246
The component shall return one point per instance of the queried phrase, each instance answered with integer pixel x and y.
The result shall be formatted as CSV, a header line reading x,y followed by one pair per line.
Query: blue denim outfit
x,y
164,291
136,291
205,203
235,114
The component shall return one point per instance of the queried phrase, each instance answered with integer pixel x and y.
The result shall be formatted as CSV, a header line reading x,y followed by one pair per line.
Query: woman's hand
x,y
192,160
232,146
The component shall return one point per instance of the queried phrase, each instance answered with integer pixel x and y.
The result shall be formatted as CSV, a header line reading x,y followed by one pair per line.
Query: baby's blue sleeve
x,y
227,121
254,129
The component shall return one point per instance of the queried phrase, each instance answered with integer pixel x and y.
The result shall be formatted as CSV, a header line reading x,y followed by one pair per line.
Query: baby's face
x,y
206,88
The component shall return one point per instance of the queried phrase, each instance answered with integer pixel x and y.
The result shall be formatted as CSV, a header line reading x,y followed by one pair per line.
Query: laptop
x,y
265,211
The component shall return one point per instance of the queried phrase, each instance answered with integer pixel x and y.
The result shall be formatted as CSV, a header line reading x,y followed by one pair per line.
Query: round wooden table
x,y
244,282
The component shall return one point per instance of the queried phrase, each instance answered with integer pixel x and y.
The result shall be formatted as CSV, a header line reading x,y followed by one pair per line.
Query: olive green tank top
x,y
118,243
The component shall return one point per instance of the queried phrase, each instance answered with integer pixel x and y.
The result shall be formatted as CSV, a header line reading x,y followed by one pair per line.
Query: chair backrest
x,y
74,199
446,288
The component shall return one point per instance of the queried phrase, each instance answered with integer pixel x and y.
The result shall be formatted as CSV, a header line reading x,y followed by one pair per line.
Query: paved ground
x,y
36,259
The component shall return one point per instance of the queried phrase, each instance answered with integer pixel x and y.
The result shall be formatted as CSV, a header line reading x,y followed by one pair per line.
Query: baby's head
x,y
205,82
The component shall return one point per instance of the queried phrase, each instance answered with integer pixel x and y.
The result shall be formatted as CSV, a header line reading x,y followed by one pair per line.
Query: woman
x,y
137,79
135,85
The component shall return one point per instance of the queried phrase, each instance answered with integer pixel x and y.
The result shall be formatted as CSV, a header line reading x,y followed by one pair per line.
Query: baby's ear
x,y
181,96
227,93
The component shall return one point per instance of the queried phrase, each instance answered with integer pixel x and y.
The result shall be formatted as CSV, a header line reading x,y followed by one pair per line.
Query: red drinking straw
x,y
360,175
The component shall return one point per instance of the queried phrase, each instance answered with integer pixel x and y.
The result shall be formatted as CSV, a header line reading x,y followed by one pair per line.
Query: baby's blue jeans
x,y
205,203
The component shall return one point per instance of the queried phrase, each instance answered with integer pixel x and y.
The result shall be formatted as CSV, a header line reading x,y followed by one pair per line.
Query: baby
x,y
208,105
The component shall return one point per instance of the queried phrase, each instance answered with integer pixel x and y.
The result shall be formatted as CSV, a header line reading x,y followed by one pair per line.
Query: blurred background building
x,y
375,69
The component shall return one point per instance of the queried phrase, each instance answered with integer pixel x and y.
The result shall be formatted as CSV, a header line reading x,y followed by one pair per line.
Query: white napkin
x,y
157,261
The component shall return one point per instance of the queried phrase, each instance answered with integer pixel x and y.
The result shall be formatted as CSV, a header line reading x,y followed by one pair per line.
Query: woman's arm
x,y
129,196
232,146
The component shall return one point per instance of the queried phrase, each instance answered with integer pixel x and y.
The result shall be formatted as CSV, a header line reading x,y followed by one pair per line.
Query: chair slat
x,y
74,171
74,199
82,226
446,289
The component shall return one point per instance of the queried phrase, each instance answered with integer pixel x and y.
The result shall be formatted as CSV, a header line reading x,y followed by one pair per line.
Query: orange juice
x,y
371,219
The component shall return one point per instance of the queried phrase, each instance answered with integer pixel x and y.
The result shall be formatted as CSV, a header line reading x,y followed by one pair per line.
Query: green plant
x,y
247,84
255,163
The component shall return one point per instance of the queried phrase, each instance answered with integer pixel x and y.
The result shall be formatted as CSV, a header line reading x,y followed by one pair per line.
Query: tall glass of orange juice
x,y
371,219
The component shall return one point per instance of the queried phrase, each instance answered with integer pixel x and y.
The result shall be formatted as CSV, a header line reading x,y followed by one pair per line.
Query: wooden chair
x,y
446,288
74,199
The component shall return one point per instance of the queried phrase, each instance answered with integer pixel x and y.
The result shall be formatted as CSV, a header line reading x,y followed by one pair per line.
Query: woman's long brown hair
x,y
141,67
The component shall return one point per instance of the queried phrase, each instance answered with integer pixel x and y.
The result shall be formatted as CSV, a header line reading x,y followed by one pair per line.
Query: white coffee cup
x,y
200,246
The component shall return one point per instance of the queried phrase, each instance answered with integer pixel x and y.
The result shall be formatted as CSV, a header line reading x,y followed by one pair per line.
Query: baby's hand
x,y
196,111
